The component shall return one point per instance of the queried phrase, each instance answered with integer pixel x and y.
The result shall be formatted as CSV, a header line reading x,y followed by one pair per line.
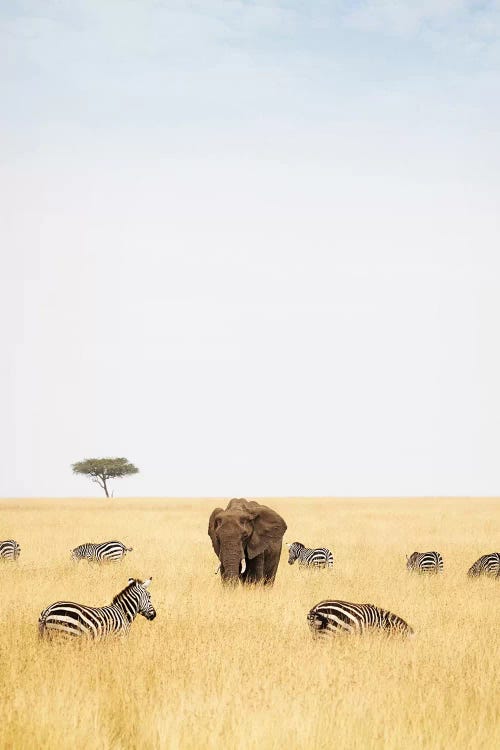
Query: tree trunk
x,y
104,486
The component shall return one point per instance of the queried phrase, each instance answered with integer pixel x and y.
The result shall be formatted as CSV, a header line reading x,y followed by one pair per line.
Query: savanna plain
x,y
238,668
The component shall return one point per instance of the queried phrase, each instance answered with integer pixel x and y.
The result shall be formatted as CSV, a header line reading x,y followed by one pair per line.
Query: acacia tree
x,y
99,470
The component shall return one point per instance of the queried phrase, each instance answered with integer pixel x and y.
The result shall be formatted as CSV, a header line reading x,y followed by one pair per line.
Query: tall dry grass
x,y
238,668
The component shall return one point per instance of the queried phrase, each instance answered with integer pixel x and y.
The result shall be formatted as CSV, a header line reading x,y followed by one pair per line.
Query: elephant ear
x,y
211,530
268,527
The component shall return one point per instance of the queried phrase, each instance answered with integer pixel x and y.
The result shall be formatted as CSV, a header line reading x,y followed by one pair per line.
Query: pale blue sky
x,y
253,246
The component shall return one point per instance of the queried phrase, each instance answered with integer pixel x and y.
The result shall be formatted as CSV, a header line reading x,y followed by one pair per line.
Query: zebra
x,y
318,558
488,565
425,562
9,550
102,552
333,616
76,620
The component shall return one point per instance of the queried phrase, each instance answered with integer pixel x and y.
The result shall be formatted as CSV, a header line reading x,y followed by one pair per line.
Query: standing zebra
x,y
333,616
74,620
103,552
9,550
488,565
425,562
319,558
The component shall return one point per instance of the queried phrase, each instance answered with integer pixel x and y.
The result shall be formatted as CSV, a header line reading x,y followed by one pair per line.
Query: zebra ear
x,y
131,580
147,582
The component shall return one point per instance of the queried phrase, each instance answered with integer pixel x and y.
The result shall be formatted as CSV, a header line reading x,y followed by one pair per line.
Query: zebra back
x,y
425,562
486,565
76,620
335,616
9,549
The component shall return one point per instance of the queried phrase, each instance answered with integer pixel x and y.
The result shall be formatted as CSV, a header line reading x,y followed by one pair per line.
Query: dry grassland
x,y
238,668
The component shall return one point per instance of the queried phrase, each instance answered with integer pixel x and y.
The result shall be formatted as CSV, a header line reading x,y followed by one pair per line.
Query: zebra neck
x,y
127,604
386,617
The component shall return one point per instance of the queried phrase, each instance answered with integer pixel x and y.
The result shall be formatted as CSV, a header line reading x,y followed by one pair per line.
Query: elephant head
x,y
242,533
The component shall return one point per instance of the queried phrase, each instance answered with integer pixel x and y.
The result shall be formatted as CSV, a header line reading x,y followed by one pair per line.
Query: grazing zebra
x,y
488,565
333,616
9,550
319,558
70,619
425,562
103,552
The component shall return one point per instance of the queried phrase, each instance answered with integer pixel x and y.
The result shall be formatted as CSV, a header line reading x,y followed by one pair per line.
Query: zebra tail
x,y
129,549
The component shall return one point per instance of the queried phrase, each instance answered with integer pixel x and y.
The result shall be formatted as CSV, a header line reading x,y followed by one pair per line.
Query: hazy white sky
x,y
252,246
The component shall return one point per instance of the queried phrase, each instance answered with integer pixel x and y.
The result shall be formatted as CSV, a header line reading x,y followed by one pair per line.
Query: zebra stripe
x,y
75,620
425,562
332,616
488,565
9,550
100,552
319,558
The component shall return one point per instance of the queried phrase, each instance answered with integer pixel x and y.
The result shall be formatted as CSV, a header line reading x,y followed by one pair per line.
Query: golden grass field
x,y
238,668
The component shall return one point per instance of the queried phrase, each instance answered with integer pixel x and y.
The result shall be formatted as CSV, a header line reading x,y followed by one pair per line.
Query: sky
x,y
251,246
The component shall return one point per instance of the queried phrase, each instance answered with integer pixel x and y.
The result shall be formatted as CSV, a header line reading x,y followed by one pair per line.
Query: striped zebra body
x,y
102,552
9,550
77,620
319,558
488,565
425,562
333,616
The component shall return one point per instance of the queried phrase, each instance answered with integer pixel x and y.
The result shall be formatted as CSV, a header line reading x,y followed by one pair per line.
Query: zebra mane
x,y
383,612
132,582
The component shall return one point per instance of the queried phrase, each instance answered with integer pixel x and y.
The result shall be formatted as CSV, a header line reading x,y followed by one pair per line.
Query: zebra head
x,y
136,596
410,561
79,553
316,621
294,551
473,572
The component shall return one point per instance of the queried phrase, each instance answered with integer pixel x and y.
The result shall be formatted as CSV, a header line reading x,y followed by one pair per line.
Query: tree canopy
x,y
99,470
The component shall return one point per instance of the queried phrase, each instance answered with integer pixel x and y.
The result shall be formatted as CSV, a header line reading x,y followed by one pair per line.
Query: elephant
x,y
247,539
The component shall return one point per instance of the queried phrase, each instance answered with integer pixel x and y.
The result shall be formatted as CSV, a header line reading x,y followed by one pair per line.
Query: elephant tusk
x,y
218,569
243,565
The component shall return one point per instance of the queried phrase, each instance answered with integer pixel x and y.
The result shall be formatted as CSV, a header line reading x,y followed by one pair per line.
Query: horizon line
x,y
274,497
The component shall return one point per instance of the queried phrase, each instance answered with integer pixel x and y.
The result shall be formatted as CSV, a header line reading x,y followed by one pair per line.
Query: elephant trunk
x,y
233,563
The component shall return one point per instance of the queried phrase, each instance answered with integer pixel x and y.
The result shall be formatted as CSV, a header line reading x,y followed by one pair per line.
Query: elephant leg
x,y
271,561
255,569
